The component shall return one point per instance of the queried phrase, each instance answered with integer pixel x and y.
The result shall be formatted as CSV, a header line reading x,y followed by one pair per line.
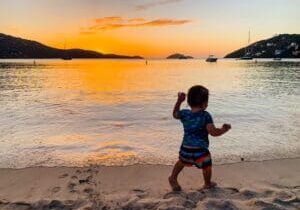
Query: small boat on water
x,y
277,55
246,57
211,59
66,58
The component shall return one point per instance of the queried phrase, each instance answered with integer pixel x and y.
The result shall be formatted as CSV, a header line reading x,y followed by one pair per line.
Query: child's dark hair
x,y
197,95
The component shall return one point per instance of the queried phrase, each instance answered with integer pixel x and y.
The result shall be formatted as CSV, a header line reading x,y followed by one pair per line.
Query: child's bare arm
x,y
213,131
180,99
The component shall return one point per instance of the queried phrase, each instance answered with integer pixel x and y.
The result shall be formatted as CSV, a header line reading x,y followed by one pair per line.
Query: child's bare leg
x,y
207,177
173,178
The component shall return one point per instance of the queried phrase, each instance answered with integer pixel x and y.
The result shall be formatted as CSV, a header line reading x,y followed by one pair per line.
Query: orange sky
x,y
151,29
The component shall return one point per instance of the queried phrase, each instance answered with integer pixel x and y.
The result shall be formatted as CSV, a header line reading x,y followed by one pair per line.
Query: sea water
x,y
119,112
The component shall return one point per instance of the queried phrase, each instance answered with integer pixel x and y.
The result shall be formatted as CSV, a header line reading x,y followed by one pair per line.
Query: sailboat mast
x,y
249,36
247,49
65,53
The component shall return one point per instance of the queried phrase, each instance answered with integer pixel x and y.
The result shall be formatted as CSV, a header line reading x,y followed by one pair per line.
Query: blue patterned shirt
x,y
194,124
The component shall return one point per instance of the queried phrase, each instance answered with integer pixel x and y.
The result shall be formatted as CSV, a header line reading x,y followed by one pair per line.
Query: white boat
x,y
277,55
246,57
211,58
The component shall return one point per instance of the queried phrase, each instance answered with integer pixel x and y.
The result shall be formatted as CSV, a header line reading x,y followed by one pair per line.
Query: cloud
x,y
109,19
165,22
85,31
116,22
155,3
136,20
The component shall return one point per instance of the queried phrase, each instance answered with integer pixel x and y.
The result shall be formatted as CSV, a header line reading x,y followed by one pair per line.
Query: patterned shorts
x,y
192,156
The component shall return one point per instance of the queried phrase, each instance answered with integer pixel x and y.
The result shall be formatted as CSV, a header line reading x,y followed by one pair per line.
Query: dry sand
x,y
267,185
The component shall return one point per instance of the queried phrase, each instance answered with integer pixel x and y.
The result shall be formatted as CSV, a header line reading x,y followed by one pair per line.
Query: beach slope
x,y
248,185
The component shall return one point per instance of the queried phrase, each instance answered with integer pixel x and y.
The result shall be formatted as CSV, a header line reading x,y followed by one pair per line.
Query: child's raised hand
x,y
226,127
181,96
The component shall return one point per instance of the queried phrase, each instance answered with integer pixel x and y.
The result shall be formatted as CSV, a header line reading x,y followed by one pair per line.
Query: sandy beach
x,y
99,100
248,185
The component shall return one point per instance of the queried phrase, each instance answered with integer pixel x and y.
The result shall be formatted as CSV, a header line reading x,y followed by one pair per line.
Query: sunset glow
x,y
152,29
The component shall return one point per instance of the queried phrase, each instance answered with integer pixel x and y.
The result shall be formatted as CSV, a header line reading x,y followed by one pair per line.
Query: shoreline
x,y
269,184
146,164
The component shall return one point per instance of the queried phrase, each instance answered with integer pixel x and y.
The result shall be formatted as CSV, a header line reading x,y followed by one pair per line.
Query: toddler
x,y
197,124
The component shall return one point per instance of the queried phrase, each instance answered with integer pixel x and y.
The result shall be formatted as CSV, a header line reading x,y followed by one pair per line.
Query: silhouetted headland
x,y
179,56
13,47
284,46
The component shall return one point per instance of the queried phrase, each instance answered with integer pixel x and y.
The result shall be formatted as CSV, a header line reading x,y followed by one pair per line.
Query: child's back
x,y
194,124
197,124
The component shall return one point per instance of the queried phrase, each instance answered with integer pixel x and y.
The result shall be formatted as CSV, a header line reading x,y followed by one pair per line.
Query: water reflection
x,y
118,111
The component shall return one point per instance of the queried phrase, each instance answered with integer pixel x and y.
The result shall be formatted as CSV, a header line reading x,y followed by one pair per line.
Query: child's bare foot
x,y
174,184
210,185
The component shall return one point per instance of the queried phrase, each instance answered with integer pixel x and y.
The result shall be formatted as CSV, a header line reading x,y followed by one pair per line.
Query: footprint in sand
x,y
83,181
266,205
18,205
86,180
3,202
219,204
296,187
74,177
195,196
88,190
63,176
173,194
55,189
219,192
138,190
248,194
88,170
140,193
288,202
71,187
231,190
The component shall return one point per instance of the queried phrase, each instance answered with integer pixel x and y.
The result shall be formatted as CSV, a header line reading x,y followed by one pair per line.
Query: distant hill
x,y
284,46
179,56
13,47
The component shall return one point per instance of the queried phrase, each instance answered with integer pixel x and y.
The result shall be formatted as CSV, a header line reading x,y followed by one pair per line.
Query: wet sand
x,y
267,185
